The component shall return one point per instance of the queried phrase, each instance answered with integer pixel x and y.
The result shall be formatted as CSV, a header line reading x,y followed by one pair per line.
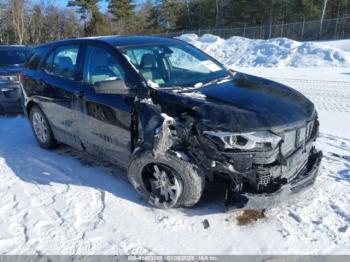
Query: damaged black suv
x,y
174,117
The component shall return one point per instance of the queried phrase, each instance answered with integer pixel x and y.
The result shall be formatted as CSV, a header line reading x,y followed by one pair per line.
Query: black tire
x,y
48,141
190,175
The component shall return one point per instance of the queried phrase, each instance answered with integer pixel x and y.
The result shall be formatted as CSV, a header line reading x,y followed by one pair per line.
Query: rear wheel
x,y
41,128
166,181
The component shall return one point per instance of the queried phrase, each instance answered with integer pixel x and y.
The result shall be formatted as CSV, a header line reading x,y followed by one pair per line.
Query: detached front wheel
x,y
166,181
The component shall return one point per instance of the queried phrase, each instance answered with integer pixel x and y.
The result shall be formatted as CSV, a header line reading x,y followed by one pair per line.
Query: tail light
x,y
13,78
21,78
9,78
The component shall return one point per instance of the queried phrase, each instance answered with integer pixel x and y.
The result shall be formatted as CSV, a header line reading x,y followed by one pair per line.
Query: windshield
x,y
13,56
177,65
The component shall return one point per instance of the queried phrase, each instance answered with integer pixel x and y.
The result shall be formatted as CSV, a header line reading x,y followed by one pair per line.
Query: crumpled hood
x,y
245,103
10,70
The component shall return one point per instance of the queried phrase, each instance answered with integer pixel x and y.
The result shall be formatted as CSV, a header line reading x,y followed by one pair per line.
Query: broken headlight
x,y
254,141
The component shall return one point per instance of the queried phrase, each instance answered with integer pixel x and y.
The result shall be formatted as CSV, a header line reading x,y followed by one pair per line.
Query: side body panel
x,y
105,120
104,125
56,96
59,103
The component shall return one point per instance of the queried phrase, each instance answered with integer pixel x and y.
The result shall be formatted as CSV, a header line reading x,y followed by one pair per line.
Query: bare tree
x,y
322,15
18,11
2,23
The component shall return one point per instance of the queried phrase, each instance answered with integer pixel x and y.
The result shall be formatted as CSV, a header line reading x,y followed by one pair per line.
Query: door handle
x,y
79,94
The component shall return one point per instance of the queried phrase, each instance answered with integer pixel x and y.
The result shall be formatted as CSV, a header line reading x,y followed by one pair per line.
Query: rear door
x,y
105,119
57,88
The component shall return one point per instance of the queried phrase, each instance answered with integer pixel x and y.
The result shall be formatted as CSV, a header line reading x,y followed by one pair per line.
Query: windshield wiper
x,y
182,89
216,80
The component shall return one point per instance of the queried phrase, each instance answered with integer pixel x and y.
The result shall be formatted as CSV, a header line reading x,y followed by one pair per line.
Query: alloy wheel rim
x,y
40,128
166,188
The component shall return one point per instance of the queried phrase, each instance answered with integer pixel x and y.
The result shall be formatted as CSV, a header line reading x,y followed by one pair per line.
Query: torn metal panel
x,y
147,118
164,135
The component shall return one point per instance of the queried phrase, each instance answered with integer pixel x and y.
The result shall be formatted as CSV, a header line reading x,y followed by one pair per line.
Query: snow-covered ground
x,y
338,44
65,202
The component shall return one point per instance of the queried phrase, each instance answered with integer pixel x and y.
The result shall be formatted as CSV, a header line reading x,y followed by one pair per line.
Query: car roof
x,y
137,40
13,47
119,41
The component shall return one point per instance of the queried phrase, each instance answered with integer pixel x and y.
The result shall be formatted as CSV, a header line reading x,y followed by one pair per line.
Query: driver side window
x,y
100,65
145,60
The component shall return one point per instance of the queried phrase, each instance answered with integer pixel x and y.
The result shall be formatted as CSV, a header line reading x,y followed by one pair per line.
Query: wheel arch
x,y
52,142
192,175
30,105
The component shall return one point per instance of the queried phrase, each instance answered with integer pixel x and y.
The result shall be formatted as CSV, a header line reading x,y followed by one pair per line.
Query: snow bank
x,y
343,45
65,202
278,52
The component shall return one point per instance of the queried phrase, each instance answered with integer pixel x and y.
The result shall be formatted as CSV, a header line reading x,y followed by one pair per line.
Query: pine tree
x,y
85,7
88,9
170,13
147,18
121,10
153,20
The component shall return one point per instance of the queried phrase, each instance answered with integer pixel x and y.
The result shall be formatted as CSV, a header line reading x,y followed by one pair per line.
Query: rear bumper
x,y
10,99
11,107
302,181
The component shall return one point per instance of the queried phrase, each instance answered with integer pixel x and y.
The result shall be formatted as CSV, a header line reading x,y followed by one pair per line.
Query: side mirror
x,y
117,87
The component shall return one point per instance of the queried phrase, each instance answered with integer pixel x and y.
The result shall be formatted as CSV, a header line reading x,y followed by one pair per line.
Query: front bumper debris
x,y
305,178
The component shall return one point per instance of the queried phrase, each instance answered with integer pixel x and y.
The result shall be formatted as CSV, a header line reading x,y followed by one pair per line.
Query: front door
x,y
105,118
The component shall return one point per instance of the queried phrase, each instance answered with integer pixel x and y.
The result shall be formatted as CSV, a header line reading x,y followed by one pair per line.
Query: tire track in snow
x,y
61,223
322,93
327,220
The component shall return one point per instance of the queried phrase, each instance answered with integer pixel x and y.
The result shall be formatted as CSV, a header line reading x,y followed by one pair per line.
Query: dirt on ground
x,y
250,216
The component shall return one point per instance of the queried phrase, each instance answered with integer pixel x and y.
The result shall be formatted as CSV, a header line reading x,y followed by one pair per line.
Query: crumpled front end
x,y
268,172
263,164
277,190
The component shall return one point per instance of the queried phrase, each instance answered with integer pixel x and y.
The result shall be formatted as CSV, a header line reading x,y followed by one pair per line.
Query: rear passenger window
x,y
47,65
65,61
35,57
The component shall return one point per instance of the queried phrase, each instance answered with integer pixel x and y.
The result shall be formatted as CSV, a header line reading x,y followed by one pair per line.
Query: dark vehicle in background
x,y
12,60
174,117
